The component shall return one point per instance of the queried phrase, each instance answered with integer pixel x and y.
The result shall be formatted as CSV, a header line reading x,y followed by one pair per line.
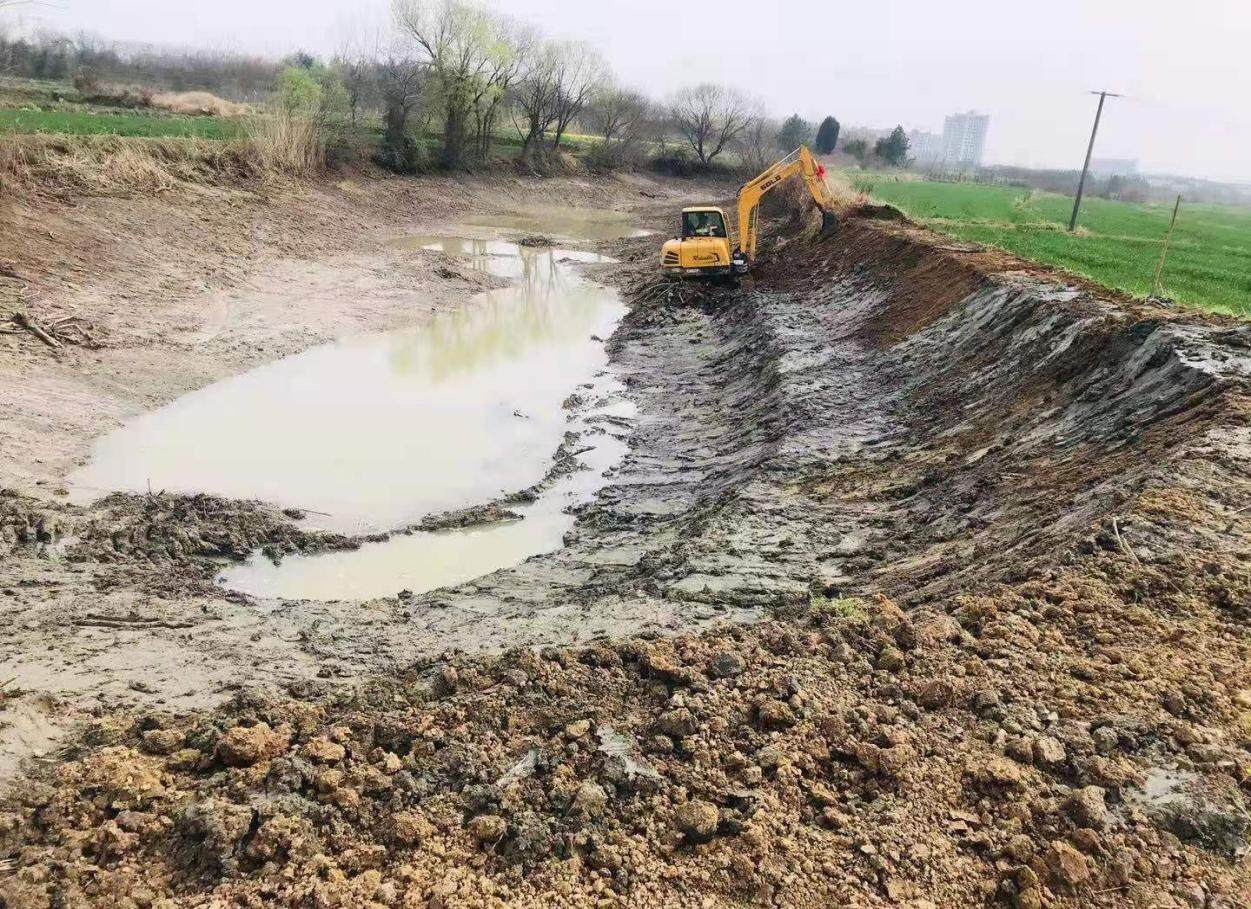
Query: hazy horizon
x,y
897,62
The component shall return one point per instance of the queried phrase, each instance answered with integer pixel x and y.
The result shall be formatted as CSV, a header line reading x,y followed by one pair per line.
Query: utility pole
x,y
1090,149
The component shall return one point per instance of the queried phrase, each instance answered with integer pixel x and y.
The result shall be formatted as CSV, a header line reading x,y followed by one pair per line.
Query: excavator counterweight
x,y
704,248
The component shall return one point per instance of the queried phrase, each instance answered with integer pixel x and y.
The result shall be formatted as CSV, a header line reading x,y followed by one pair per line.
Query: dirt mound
x,y
25,522
848,757
159,542
164,527
874,211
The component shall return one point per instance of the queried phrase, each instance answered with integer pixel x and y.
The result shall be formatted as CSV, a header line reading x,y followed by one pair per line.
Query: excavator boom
x,y
799,162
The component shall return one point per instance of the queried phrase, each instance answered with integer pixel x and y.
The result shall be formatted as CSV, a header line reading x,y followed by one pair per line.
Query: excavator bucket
x,y
829,222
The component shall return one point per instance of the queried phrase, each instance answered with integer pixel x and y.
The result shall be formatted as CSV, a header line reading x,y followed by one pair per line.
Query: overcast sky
x,y
1183,66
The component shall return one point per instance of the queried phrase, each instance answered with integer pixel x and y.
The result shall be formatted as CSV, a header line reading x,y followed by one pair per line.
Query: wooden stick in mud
x,y
1124,546
1157,286
31,326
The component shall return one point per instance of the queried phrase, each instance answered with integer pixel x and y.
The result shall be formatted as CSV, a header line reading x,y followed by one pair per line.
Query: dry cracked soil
x,y
925,582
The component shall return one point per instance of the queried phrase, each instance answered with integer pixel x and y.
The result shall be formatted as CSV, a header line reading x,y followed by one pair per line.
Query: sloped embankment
x,y
1035,416
1003,526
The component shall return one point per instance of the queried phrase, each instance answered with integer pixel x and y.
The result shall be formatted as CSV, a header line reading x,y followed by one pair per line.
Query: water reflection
x,y
377,431
582,224
546,304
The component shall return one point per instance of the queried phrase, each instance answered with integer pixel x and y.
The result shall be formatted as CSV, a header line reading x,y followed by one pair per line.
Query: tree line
x,y
447,79
465,73
54,57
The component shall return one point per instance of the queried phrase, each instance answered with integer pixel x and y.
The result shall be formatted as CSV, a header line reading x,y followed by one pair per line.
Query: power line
x,y
1090,150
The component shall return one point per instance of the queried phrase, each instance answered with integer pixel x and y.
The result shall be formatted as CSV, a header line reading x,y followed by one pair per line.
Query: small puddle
x,y
373,433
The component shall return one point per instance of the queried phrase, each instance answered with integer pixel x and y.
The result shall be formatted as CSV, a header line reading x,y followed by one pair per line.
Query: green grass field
x,y
122,123
1118,243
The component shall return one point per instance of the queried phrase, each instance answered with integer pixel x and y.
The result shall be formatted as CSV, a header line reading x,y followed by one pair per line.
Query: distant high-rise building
x,y
964,139
925,148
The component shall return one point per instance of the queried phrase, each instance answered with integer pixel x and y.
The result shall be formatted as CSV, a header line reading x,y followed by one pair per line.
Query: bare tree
x,y
401,80
460,42
516,45
355,62
757,146
535,95
709,117
580,70
620,117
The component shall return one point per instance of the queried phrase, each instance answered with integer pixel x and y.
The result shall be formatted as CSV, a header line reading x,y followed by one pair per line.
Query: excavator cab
x,y
703,245
705,248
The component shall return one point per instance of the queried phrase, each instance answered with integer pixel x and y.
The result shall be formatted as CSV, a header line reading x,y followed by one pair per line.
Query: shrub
x,y
311,125
400,153
893,149
603,158
858,149
675,162
86,82
795,131
299,91
827,136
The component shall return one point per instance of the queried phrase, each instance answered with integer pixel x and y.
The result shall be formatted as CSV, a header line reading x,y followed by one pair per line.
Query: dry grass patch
x,y
112,165
115,165
288,145
846,196
198,104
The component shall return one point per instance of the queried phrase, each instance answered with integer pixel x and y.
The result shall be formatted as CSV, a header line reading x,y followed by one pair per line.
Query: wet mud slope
x,y
923,584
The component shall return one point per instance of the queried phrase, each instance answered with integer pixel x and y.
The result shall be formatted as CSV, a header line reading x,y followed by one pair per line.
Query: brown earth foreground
x,y
954,570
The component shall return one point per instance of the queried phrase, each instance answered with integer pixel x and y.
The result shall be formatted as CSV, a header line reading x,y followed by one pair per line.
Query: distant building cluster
x,y
960,146
964,139
925,148
1114,167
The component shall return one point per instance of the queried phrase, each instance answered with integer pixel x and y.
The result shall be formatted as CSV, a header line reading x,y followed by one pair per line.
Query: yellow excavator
x,y
704,248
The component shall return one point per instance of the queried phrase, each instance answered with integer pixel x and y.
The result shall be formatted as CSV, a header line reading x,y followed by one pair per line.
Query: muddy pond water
x,y
374,433
568,223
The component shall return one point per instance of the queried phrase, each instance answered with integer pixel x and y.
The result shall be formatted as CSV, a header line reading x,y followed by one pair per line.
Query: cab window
x,y
702,224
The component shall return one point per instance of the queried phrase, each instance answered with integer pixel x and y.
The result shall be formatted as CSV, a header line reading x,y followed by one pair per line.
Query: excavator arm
x,y
799,162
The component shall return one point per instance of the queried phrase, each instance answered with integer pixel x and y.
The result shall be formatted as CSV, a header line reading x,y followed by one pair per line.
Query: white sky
x,y
1183,66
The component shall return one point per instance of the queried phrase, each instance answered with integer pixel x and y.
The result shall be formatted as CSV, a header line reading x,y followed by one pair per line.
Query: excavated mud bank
x,y
921,585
